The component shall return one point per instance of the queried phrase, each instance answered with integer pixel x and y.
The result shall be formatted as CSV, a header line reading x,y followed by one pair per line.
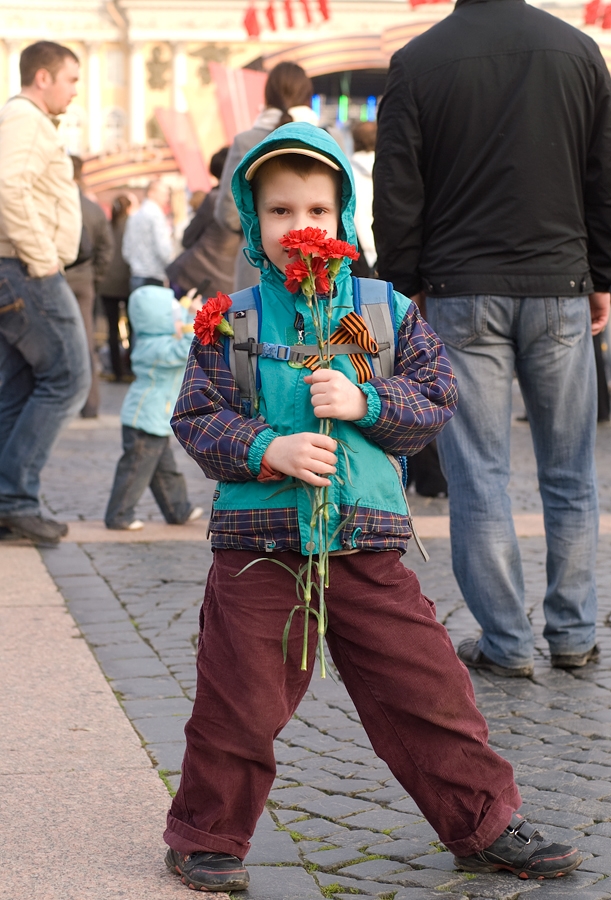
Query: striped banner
x,y
240,96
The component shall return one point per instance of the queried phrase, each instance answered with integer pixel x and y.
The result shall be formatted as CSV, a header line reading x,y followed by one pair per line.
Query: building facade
x,y
139,56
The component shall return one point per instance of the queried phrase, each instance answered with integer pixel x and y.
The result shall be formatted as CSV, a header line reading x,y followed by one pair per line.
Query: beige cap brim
x,y
301,151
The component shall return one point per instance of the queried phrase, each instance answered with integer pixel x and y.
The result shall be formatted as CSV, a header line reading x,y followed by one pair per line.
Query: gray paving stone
x,y
316,802
358,837
314,828
603,828
139,709
421,894
143,688
334,859
167,756
373,869
382,820
134,668
280,883
161,729
269,845
129,650
596,844
600,864
402,851
443,861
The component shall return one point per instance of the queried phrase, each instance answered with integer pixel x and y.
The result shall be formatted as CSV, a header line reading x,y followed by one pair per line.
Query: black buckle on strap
x,y
523,829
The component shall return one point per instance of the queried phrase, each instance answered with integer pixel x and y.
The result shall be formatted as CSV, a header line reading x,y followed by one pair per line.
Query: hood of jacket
x,y
152,310
293,134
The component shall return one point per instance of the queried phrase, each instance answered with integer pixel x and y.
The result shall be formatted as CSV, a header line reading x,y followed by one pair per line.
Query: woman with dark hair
x,y
288,98
114,290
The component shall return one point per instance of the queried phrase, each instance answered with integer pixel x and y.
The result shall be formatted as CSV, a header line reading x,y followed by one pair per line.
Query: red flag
x,y
592,11
306,9
323,6
271,15
288,9
606,22
251,23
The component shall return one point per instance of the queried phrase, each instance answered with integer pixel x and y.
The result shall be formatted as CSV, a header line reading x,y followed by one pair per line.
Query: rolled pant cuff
x,y
490,828
185,839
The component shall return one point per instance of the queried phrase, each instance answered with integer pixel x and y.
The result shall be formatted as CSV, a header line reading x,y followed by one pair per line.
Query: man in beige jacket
x,y
44,359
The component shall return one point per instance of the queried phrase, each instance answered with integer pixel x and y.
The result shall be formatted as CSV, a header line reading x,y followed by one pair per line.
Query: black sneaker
x,y
523,851
208,871
470,654
35,528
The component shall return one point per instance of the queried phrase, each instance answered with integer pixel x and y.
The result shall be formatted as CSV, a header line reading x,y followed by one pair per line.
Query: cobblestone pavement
x,y
338,824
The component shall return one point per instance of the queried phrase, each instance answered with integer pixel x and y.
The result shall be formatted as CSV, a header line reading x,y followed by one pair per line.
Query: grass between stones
x,y
163,774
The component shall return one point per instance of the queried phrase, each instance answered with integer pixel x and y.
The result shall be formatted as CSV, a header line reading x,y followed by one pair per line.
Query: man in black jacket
x,y
493,199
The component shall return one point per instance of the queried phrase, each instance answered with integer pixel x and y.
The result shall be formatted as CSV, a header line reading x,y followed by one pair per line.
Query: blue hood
x,y
287,136
151,310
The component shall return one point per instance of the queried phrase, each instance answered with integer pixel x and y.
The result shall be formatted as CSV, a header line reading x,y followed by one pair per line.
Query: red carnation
x,y
306,240
321,275
209,321
296,273
335,249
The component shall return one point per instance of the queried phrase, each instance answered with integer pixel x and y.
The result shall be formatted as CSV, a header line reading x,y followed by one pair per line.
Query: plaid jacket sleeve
x,y
208,420
421,396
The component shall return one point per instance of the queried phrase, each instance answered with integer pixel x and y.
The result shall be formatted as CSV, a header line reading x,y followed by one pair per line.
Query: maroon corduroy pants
x,y
413,695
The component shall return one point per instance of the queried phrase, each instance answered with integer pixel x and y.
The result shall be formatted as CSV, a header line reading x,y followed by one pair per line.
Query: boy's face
x,y
286,201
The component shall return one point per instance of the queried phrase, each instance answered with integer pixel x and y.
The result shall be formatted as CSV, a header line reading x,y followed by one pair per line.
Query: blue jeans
x,y
547,342
45,374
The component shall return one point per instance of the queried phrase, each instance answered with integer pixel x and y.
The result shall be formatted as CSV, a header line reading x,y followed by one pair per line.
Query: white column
x,y
179,77
94,98
14,78
137,94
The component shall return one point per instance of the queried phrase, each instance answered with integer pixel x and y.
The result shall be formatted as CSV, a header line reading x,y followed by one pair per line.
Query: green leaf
x,y
276,562
349,518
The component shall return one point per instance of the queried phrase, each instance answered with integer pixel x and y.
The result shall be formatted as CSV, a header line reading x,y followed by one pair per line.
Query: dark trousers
x,y
604,406
414,698
147,461
119,359
80,279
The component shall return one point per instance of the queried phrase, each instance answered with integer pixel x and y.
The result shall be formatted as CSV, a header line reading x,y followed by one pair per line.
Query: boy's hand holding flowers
x,y
335,397
305,455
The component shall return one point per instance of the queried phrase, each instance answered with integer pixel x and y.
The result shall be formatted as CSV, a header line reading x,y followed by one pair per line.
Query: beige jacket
x,y
40,211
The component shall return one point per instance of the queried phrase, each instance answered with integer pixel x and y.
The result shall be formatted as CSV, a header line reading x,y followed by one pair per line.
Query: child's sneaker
x,y
523,851
196,513
208,871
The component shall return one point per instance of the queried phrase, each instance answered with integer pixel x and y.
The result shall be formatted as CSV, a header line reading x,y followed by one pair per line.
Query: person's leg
x,y
245,696
604,405
474,450
415,700
16,385
555,366
84,291
134,473
111,308
170,488
41,322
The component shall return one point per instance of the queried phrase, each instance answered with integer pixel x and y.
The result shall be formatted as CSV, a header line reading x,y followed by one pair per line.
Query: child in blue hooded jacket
x,y
162,340
413,695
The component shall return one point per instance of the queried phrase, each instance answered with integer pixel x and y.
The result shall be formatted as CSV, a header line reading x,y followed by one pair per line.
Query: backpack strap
x,y
373,300
245,319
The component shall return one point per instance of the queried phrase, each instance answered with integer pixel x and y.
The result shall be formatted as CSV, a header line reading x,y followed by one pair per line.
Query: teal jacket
x,y
404,412
158,360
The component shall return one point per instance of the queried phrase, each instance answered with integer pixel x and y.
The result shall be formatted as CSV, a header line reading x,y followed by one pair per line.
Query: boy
x,y
414,697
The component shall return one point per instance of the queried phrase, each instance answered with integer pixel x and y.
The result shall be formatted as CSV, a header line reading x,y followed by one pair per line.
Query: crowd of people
x,y
482,206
